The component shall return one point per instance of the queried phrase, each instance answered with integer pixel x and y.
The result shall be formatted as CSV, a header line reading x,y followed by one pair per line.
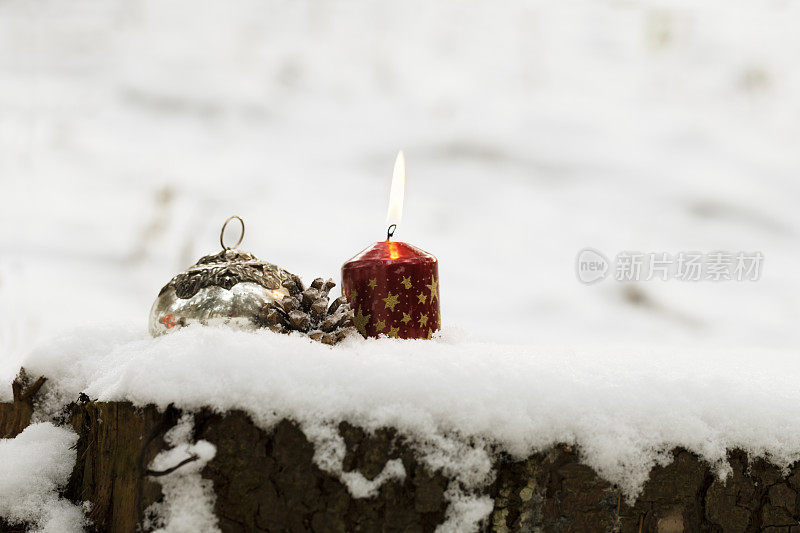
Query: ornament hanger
x,y
222,233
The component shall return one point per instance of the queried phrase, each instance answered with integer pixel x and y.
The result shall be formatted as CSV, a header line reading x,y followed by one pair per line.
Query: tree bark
x,y
15,416
267,481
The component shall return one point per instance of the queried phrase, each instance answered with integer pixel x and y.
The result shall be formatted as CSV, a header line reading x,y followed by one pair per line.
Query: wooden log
x,y
267,481
15,416
264,481
116,443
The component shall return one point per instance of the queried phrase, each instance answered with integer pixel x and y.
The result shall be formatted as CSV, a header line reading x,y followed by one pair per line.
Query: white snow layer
x,y
624,406
329,453
33,467
131,129
188,505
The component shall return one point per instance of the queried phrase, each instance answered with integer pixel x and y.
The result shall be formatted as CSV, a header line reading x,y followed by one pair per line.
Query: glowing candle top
x,y
393,286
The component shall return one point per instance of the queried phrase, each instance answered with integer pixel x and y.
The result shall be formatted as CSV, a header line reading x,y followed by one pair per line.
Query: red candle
x,y
393,287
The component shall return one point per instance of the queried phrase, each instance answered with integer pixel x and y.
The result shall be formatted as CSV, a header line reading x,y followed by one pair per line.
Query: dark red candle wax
x,y
393,288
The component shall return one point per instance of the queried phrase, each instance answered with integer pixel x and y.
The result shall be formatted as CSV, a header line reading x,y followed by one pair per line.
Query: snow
x,y
622,406
131,129
33,467
329,453
188,504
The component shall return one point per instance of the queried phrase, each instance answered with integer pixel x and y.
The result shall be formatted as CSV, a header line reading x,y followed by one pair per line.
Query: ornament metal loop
x,y
390,231
222,233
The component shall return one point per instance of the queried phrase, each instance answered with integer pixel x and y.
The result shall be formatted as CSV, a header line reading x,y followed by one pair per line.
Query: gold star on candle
x,y
422,297
353,295
430,334
423,319
406,318
372,283
391,301
434,287
361,320
380,325
393,332
406,282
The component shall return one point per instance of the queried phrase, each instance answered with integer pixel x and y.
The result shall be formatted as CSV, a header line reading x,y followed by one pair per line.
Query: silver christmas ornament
x,y
230,288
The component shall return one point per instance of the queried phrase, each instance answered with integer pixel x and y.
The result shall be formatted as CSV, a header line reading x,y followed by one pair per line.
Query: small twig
x,y
33,389
22,391
619,506
155,473
169,417
641,522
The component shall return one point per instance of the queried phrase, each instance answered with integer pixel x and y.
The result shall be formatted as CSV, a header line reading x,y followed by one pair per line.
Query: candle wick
x,y
390,231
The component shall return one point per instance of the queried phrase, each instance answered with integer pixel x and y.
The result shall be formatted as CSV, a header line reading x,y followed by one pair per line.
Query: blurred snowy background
x,y
130,129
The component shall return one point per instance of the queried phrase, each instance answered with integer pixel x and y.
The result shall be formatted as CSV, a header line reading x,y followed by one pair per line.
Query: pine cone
x,y
307,311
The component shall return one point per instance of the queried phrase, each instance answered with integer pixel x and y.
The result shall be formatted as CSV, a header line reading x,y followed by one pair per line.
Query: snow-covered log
x,y
16,415
209,429
269,481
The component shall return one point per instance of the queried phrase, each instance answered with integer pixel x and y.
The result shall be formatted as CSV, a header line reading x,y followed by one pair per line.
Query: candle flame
x,y
395,212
